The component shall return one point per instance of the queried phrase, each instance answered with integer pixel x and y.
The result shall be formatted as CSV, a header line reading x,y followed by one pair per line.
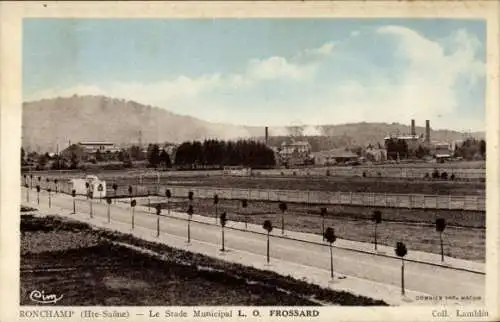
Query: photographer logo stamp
x,y
42,298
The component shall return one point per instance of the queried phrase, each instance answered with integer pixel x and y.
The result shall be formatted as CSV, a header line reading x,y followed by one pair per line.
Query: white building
x,y
102,147
96,187
300,147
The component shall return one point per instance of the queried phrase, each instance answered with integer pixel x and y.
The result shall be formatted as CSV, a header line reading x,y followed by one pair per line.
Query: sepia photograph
x,y
194,165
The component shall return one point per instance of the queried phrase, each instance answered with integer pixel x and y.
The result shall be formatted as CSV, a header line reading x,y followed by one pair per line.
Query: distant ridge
x,y
58,121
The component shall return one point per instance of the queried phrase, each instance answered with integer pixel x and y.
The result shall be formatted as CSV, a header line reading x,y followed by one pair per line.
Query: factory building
x,y
405,146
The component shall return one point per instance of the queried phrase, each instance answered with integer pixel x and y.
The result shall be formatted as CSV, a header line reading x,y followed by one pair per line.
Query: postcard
x,y
249,161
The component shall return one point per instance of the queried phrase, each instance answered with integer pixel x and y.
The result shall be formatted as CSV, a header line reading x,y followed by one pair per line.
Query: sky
x,y
268,71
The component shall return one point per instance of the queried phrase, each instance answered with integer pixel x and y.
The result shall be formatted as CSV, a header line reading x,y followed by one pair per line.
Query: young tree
x,y
48,190
244,205
158,214
323,212
283,208
377,219
73,194
91,196
38,194
223,220
55,184
108,201
329,236
440,226
401,252
216,203
168,194
268,226
190,214
133,203
190,198
31,181
87,186
130,190
115,188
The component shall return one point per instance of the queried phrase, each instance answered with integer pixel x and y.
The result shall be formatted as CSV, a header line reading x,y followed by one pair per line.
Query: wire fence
x,y
391,200
92,209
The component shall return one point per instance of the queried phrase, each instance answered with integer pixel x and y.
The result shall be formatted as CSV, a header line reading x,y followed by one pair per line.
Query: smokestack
x,y
427,131
267,135
412,129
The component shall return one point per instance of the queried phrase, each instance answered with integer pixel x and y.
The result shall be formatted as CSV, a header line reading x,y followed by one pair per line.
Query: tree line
x,y
471,149
224,153
194,154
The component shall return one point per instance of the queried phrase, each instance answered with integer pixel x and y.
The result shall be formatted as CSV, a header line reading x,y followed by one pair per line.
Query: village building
x,y
334,156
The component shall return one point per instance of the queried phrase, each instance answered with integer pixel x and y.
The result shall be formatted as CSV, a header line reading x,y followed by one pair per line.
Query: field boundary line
x,y
316,243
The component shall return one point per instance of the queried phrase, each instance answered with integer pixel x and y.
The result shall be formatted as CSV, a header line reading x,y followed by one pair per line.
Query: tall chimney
x,y
267,135
427,131
412,130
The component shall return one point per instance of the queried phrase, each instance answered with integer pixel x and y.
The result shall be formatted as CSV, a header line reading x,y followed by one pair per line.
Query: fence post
x,y
385,199
449,201
410,206
350,198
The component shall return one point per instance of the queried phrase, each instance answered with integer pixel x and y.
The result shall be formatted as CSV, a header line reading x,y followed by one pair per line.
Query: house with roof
x,y
94,146
334,156
294,153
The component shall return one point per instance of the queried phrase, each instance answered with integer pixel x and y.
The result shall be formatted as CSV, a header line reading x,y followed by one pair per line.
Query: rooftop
x,y
336,153
95,143
297,143
403,137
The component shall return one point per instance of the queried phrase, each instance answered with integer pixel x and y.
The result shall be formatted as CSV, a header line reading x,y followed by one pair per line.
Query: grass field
x,y
343,184
90,269
322,183
463,238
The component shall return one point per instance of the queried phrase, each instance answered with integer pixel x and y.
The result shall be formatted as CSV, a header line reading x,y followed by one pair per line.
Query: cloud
x,y
324,50
277,68
390,74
